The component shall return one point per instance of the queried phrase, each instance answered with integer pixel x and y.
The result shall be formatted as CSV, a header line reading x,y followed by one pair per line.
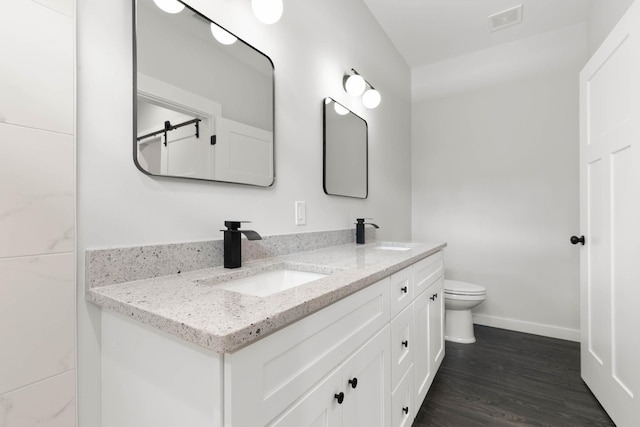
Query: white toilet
x,y
459,299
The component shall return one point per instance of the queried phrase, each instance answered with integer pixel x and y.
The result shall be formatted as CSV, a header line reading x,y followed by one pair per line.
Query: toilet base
x,y
458,326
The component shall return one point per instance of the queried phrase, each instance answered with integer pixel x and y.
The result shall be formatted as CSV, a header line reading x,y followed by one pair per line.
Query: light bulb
x,y
169,6
340,109
223,36
355,85
267,11
371,98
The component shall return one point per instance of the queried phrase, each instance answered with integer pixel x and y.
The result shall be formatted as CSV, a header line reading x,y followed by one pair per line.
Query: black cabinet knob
x,y
405,343
404,289
405,409
339,397
432,297
353,382
575,240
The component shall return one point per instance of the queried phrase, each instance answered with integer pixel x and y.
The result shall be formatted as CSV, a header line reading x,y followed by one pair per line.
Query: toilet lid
x,y
455,287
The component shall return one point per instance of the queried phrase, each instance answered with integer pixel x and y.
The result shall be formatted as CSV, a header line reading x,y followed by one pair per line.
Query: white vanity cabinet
x,y
366,360
417,335
268,379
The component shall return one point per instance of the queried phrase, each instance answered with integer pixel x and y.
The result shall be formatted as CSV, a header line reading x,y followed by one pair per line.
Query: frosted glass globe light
x,y
355,85
371,98
222,35
169,6
340,109
267,11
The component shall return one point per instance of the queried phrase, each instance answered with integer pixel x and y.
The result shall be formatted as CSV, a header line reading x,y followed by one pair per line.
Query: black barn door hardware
x,y
168,127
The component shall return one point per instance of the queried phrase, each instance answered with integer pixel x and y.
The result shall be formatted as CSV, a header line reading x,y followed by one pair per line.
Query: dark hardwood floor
x,y
510,378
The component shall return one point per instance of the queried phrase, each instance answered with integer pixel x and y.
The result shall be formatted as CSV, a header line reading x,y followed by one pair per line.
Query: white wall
x,y
495,174
604,15
311,47
37,239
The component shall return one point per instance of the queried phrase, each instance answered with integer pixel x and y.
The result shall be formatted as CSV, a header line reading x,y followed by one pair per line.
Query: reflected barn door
x,y
187,155
610,221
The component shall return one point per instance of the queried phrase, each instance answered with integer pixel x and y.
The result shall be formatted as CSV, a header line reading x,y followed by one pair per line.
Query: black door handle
x,y
575,240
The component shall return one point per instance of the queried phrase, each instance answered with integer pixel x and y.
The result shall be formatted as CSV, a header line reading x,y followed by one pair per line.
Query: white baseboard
x,y
528,327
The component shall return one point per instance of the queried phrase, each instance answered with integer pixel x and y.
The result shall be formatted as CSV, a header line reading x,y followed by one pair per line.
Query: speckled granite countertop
x,y
190,307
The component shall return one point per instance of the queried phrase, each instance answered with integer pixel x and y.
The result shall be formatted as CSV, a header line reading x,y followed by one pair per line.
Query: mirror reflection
x,y
345,151
204,100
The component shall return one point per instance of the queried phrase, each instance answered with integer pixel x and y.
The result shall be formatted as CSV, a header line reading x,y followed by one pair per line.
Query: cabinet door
x,y
318,408
421,362
401,346
367,402
436,324
428,311
403,410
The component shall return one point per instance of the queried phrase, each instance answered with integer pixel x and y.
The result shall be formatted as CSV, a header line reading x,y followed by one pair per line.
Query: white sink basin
x,y
392,248
265,284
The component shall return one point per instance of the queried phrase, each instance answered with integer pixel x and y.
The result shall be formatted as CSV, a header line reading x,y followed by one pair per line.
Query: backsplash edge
x,y
105,267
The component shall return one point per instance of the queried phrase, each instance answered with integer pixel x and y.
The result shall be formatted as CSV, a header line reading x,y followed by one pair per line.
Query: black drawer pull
x,y
339,397
405,343
404,289
405,409
575,240
354,382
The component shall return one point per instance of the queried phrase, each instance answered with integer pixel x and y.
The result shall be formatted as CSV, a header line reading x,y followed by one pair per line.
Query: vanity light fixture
x,y
223,36
339,109
355,85
267,11
371,98
169,6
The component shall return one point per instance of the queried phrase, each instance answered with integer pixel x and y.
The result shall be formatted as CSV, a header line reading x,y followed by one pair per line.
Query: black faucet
x,y
360,229
232,243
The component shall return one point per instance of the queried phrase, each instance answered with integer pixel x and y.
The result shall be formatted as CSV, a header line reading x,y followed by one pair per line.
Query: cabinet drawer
x,y
403,408
401,346
263,379
401,290
427,271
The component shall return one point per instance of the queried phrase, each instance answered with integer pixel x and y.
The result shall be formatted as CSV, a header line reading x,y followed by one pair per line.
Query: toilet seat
x,y
457,288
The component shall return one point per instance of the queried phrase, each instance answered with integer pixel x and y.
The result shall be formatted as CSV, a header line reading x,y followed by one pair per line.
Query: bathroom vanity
x,y
358,346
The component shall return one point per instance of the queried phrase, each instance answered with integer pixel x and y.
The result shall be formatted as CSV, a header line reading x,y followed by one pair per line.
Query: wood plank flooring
x,y
510,378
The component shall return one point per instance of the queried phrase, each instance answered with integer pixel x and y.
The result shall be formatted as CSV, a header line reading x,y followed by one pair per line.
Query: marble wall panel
x,y
37,68
48,403
36,192
37,319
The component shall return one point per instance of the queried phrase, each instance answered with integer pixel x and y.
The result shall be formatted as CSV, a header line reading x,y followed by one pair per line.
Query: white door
x,y
242,153
183,152
610,221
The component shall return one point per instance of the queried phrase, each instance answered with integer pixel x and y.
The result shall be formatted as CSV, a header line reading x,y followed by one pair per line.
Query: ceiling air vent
x,y
506,18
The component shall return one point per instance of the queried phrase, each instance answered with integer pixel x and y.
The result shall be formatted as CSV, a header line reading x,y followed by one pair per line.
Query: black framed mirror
x,y
345,152
203,99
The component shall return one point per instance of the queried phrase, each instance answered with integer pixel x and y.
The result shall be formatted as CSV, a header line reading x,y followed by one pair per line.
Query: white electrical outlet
x,y
301,213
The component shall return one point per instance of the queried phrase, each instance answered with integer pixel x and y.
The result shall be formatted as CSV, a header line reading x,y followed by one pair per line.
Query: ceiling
x,y
429,31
